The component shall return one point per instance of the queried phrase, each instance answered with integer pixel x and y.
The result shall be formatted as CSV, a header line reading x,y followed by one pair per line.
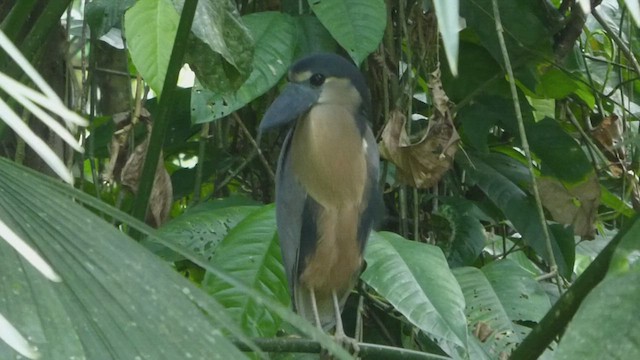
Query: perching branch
x,y
367,351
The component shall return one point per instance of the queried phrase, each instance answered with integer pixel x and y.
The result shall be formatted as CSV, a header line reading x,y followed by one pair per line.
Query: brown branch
x,y
570,33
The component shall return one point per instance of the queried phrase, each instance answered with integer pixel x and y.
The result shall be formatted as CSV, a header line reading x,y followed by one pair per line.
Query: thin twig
x,y
235,173
253,142
616,39
204,137
525,143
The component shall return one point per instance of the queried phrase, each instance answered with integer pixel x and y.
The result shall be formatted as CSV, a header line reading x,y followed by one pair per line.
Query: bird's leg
x,y
314,308
341,338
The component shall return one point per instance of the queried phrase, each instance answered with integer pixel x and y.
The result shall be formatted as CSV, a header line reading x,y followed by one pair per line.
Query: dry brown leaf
x,y
161,192
119,146
609,133
577,206
128,170
424,163
482,331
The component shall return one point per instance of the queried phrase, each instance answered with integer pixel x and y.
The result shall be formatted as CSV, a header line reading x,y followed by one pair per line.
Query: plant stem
x,y
161,120
616,39
525,143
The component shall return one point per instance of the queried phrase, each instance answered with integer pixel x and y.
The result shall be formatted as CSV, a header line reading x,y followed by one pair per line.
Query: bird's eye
x,y
317,79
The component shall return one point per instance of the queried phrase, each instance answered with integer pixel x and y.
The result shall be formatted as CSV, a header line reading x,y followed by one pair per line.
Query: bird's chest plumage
x,y
329,157
329,160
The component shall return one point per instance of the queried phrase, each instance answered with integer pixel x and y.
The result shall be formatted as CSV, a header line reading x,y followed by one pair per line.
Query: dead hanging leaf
x,y
422,164
576,205
161,193
482,331
119,146
128,168
609,133
610,136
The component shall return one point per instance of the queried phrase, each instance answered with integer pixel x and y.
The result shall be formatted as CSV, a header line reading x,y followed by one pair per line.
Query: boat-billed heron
x,y
327,196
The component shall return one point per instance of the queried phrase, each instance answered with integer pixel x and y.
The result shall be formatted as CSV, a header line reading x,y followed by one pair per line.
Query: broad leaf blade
x,y
416,280
467,236
274,36
116,300
220,46
251,253
357,25
606,325
203,228
489,173
448,24
499,297
150,29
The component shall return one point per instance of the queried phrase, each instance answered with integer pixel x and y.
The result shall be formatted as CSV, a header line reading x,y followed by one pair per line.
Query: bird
x,y
327,193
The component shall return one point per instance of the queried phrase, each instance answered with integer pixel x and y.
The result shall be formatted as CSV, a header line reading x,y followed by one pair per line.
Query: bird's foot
x,y
347,343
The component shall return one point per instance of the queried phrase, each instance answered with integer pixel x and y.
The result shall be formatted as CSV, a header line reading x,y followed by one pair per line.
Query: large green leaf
x,y
449,25
416,280
516,205
357,25
251,253
274,35
479,73
312,37
102,15
220,47
498,297
467,237
547,139
204,227
116,300
606,325
150,29
527,27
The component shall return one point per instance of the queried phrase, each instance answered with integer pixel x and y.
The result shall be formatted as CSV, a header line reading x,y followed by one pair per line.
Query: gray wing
x,y
374,207
290,200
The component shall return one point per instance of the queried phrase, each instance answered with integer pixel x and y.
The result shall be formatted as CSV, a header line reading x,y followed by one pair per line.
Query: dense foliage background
x,y
509,133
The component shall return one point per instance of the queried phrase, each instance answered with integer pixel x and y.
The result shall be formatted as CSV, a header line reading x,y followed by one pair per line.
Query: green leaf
x,y
116,300
556,84
606,326
449,25
467,233
219,314
548,139
527,27
497,297
220,48
516,205
203,227
416,280
102,15
634,9
274,36
357,25
479,73
520,294
616,204
313,37
150,29
251,253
